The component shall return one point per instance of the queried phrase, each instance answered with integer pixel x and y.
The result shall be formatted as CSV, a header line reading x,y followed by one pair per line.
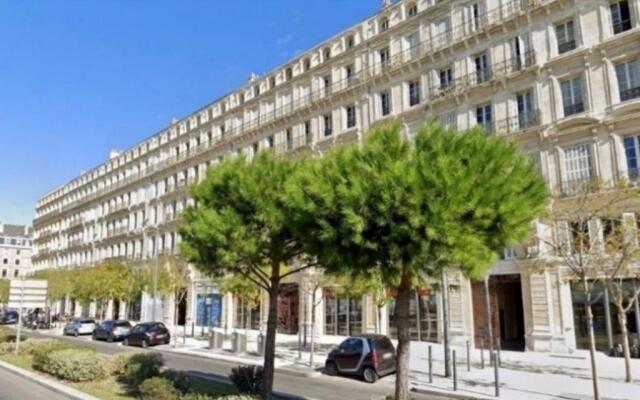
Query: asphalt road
x,y
321,387
15,387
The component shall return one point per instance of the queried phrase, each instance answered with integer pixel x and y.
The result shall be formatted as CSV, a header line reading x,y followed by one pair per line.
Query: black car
x,y
111,330
148,333
369,356
9,317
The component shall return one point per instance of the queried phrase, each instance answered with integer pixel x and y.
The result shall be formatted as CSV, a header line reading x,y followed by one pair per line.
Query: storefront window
x,y
343,315
423,308
134,310
599,310
208,309
247,314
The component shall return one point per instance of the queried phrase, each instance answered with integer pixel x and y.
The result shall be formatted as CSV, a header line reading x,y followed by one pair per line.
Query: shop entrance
x,y
507,312
288,309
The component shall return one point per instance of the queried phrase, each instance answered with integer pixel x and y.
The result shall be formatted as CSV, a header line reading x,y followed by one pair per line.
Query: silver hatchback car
x,y
80,326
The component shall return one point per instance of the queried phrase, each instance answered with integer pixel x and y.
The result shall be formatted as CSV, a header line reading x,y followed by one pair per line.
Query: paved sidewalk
x,y
523,375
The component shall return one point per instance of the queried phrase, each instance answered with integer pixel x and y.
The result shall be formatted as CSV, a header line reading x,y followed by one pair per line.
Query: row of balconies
x,y
426,47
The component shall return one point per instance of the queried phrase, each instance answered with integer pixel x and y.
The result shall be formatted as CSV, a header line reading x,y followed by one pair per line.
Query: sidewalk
x,y
523,375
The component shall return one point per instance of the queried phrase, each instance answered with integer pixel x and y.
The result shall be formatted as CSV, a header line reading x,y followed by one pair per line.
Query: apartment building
x,y
561,77
15,250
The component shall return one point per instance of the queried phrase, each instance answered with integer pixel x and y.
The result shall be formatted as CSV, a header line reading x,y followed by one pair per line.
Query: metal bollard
x,y
497,378
211,343
468,356
482,354
234,342
260,343
430,366
184,334
455,372
193,329
499,358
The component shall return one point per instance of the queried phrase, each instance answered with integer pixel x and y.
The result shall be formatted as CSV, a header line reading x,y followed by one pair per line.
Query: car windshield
x,y
351,344
87,321
122,324
141,328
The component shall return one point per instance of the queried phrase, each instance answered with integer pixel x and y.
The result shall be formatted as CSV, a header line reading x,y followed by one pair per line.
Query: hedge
x,y
75,365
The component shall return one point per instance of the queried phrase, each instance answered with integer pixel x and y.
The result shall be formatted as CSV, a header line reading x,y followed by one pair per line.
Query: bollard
x,y
482,354
299,344
211,343
497,378
184,334
468,356
455,372
499,358
260,344
193,329
234,342
430,366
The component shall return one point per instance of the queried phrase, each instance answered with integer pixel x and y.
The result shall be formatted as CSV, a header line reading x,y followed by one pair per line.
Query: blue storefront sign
x,y
209,309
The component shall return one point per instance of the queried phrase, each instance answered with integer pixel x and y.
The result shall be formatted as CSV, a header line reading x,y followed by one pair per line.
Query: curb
x,y
450,394
48,383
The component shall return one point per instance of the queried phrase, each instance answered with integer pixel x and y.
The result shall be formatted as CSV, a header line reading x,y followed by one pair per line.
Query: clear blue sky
x,y
78,78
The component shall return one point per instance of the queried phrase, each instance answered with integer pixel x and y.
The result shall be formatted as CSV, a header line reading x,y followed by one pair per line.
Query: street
x,y
321,387
15,387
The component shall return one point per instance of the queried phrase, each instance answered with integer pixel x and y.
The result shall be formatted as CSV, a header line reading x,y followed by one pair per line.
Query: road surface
x,y
15,387
321,387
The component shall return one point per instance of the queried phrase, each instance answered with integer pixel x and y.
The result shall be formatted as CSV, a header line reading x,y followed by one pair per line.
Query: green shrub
x,y
41,350
179,379
76,365
157,389
7,347
247,378
197,396
240,397
140,367
7,335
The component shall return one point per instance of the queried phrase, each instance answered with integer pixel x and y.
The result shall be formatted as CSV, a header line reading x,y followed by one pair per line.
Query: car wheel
x,y
144,344
125,342
110,338
93,336
331,368
369,374
75,333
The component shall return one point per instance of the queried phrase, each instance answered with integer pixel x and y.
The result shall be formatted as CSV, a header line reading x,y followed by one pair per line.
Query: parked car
x,y
148,333
9,317
111,330
368,356
79,326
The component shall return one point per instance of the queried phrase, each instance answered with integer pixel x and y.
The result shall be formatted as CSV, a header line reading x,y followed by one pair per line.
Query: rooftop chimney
x,y
386,3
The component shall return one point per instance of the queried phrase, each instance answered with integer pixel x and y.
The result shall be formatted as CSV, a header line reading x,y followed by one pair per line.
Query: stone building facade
x,y
560,77
15,250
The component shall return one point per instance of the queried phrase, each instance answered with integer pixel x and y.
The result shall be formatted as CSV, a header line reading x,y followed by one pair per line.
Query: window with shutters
x,y
565,36
628,75
328,124
620,16
350,112
385,103
484,117
578,168
572,96
632,154
414,92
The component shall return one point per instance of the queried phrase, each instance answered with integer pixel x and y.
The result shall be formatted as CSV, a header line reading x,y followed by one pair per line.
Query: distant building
x,y
15,250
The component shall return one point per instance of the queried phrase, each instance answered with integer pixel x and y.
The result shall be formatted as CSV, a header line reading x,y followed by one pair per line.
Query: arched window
x,y
326,53
350,41
412,9
383,24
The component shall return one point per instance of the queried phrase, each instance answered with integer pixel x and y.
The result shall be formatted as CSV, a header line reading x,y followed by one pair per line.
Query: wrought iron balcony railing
x,y
517,123
630,94
424,48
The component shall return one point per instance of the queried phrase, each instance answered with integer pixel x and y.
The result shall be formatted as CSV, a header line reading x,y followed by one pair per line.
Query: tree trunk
x,y
404,340
622,319
592,339
175,320
270,339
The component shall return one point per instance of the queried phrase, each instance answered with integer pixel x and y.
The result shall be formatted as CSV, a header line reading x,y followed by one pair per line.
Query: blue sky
x,y
78,78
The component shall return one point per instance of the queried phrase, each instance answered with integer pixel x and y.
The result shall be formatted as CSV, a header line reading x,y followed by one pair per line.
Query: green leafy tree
x,y
240,226
173,279
451,201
